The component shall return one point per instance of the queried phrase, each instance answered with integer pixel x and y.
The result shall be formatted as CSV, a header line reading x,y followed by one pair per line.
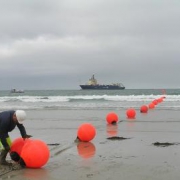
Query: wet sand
x,y
133,158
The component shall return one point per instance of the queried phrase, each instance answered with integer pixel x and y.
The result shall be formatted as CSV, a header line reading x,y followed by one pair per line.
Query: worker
x,y
8,121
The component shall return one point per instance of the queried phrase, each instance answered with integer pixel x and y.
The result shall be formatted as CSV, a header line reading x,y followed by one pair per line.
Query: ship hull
x,y
101,87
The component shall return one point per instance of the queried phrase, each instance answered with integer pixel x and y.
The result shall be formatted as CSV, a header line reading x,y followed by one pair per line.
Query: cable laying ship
x,y
93,85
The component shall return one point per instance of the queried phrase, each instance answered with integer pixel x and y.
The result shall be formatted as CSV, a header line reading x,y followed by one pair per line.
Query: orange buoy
x,y
86,132
131,113
151,106
155,102
144,109
35,153
86,149
112,118
159,100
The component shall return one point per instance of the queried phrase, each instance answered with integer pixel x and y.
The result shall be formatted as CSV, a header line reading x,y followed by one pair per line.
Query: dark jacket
x,y
7,125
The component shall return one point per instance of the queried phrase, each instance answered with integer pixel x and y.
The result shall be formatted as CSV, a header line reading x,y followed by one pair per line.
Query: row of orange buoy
x,y
131,113
152,105
86,132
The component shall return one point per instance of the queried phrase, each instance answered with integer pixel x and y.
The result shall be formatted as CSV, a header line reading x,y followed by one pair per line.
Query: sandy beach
x,y
133,158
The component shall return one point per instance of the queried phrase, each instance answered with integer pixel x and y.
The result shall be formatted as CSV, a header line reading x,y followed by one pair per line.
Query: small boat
x,y
93,85
17,91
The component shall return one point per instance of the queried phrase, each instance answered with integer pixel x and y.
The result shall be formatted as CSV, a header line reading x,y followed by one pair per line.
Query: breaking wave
x,y
86,101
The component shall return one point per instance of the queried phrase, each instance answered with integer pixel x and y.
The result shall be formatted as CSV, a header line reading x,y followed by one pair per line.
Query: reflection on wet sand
x,y
86,149
112,130
35,173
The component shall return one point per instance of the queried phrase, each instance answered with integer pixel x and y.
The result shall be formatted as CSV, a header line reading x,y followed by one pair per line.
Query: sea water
x,y
88,99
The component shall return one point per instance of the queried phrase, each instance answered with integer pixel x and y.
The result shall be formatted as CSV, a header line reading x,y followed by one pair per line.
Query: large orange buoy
x,y
86,132
131,113
144,109
112,118
151,106
35,153
86,149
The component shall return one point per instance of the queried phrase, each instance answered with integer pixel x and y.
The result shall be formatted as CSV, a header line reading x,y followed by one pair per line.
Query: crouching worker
x,y
8,121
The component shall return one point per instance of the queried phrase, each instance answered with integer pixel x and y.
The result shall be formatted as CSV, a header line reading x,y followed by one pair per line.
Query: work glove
x,y
26,136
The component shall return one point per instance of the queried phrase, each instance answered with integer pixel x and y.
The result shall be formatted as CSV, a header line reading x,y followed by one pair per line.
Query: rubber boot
x,y
3,158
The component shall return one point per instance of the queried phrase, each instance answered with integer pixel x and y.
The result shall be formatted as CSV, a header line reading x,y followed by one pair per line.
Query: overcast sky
x,y
59,44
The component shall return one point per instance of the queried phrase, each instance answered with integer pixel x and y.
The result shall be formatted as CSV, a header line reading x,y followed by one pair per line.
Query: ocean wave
x,y
86,102
13,100
34,99
120,98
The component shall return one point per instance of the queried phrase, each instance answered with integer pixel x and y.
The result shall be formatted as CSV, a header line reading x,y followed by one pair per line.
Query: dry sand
x,y
135,158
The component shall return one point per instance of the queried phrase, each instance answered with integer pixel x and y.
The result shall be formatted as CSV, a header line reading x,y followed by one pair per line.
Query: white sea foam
x,y
89,97
86,101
